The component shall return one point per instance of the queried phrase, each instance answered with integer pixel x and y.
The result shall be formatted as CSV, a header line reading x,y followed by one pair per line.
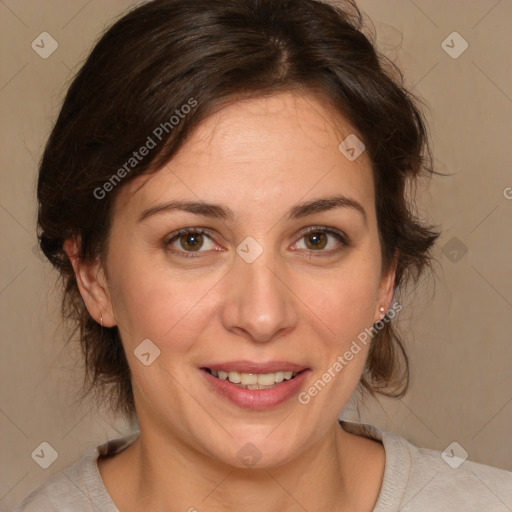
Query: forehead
x,y
280,148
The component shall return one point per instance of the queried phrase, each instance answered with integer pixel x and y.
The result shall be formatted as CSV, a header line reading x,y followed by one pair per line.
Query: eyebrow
x,y
224,213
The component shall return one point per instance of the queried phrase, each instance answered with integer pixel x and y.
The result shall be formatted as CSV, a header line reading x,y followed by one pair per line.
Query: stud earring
x,y
381,309
101,319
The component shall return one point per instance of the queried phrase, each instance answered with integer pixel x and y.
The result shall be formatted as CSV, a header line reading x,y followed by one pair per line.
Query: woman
x,y
224,196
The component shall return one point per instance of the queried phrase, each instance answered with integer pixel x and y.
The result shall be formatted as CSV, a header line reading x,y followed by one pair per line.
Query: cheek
x,y
343,314
175,314
151,302
343,301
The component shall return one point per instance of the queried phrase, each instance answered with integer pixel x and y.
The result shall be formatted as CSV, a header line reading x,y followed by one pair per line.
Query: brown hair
x,y
167,54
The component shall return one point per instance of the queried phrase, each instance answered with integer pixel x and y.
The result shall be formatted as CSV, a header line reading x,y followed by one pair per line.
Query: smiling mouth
x,y
253,381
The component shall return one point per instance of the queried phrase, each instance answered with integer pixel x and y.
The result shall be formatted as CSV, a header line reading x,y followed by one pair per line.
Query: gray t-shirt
x,y
415,480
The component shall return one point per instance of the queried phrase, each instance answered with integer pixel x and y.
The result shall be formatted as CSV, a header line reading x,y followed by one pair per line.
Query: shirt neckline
x,y
397,467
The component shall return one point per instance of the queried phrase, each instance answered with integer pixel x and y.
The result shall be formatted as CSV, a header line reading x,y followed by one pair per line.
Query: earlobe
x,y
92,283
387,290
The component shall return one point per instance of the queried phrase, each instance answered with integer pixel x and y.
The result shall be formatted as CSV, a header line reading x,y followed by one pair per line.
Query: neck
x,y
158,470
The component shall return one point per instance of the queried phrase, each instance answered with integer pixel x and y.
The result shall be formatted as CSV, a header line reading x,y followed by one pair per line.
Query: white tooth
x,y
254,380
279,377
215,373
248,378
267,379
234,377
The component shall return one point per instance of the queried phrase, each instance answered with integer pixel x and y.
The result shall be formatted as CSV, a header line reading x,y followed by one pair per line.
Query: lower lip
x,y
257,399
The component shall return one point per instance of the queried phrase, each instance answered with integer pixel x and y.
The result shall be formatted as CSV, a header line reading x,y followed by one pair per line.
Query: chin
x,y
256,447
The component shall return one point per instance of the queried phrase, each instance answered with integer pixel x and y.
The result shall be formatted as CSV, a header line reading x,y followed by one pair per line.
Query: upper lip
x,y
254,367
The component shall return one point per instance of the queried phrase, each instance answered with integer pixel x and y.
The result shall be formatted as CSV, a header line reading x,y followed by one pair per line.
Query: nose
x,y
259,303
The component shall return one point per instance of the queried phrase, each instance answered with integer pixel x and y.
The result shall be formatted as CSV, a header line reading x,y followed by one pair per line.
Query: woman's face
x,y
248,290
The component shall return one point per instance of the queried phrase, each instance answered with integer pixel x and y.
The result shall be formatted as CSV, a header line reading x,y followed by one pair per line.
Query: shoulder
x,y
420,479
446,482
79,487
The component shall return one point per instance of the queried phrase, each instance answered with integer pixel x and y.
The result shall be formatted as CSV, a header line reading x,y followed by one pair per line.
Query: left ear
x,y
386,290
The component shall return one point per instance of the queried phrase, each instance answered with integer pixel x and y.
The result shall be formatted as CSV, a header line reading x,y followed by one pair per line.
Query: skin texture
x,y
259,157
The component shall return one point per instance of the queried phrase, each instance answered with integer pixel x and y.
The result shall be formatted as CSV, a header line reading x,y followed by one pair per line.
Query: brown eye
x,y
324,241
316,240
191,241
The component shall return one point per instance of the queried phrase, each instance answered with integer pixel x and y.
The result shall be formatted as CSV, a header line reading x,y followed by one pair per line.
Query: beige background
x,y
459,342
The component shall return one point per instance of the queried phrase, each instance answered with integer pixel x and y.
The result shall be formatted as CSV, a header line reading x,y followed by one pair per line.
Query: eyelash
x,y
340,236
